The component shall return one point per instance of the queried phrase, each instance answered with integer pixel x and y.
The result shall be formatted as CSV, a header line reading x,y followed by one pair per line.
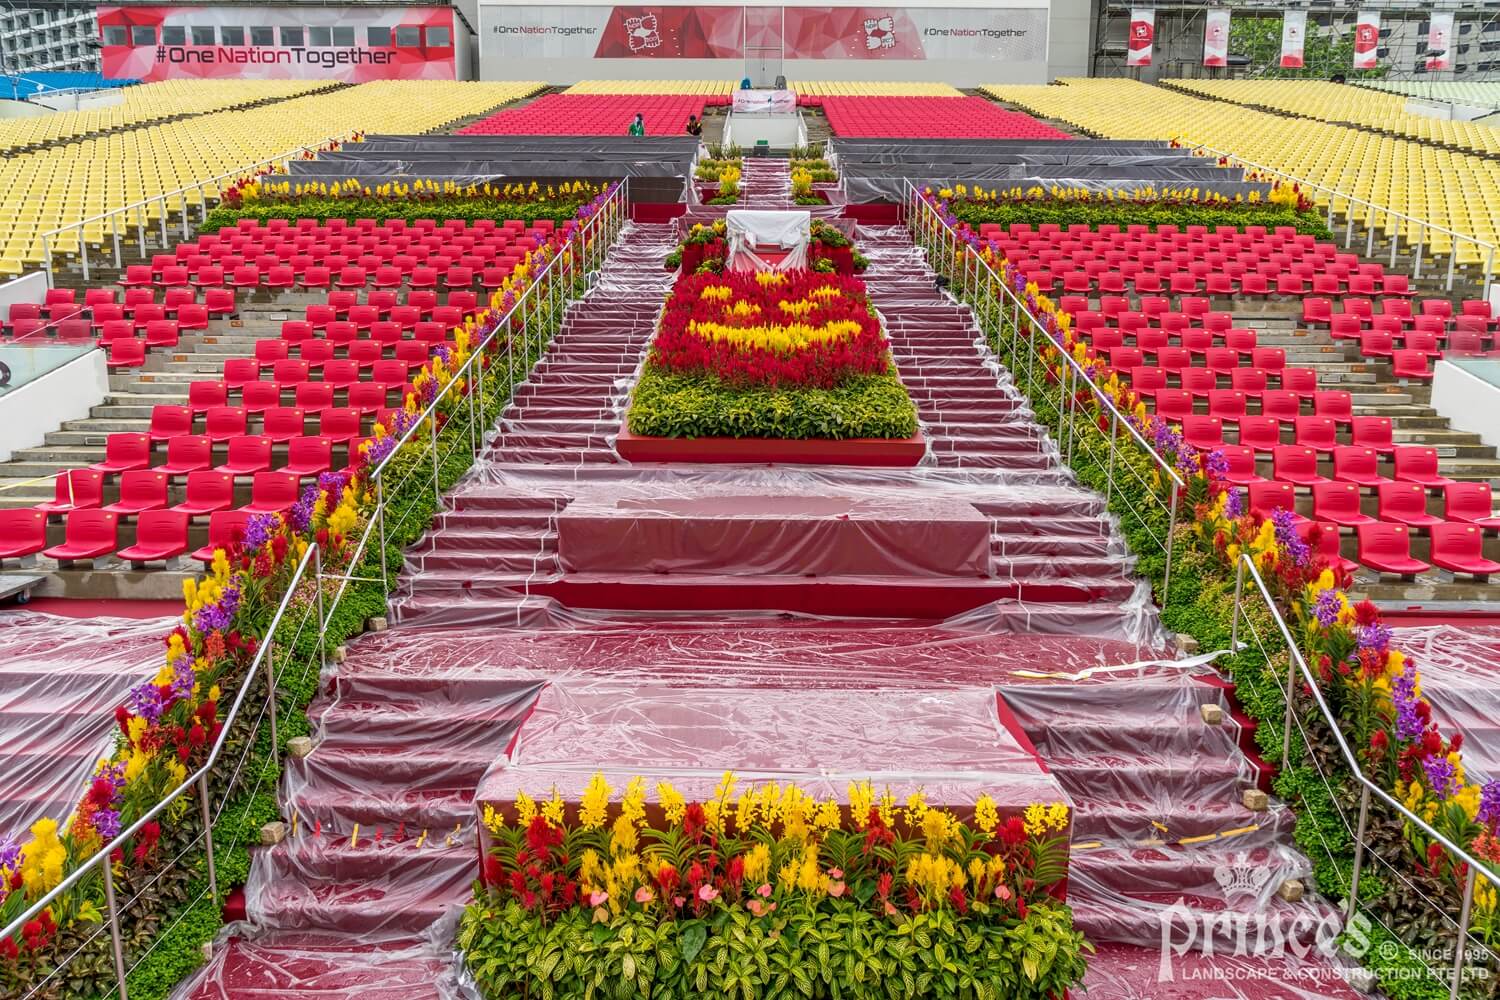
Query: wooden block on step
x,y
272,833
1212,714
1187,644
1255,800
1290,890
299,746
377,624
340,654
207,950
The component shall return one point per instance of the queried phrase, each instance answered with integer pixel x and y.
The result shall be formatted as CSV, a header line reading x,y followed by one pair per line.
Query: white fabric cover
x,y
748,229
783,102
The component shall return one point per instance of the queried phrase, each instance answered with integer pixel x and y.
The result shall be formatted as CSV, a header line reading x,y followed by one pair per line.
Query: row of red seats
x,y
161,534
390,227
306,454
1456,543
593,114
284,246
931,118
411,274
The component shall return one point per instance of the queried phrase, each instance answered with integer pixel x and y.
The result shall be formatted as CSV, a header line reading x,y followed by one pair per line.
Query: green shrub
x,y
689,406
1135,214
385,209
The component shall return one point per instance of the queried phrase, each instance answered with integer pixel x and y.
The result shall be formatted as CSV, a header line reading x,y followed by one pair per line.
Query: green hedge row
x,y
692,406
1136,214
385,209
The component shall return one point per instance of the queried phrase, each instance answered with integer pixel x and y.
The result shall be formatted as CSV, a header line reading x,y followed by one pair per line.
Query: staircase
x,y
766,183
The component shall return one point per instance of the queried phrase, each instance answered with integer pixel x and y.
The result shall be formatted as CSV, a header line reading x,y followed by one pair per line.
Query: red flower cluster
x,y
679,347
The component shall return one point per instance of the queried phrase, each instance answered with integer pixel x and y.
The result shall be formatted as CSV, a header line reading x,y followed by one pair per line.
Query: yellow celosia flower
x,y
623,838
757,863
42,859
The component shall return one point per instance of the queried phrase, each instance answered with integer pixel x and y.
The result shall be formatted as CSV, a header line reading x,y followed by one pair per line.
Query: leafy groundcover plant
x,y
769,892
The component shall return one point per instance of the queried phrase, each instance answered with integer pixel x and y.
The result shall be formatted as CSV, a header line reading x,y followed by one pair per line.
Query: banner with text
x,y
1440,41
1216,38
1293,38
510,32
277,43
1366,39
1142,36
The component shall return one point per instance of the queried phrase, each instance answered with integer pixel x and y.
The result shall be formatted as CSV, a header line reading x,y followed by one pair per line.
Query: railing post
x,y
114,232
1416,268
1109,476
322,621
185,236
1166,575
1291,707
380,526
83,251
437,490
270,657
208,840
1461,946
1352,902
1234,618
140,229
112,908
1395,239
1452,259
1489,273
162,201
47,259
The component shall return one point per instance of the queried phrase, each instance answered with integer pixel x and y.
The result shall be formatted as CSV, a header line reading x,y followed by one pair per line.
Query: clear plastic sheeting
x,y
1128,972
60,681
1460,667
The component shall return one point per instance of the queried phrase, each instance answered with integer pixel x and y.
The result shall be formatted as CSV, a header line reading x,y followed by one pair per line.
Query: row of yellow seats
x,y
151,102
1478,93
1435,185
876,88
1337,102
705,87
62,185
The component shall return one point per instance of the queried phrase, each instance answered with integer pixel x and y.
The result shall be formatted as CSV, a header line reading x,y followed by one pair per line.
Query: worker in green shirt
x,y
638,127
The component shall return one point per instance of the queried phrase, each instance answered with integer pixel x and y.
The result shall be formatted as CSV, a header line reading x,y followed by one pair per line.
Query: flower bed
x,y
770,355
770,892
705,250
1286,206
1373,689
168,723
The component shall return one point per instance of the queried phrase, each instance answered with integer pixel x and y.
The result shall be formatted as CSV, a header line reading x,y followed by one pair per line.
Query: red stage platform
x,y
882,452
756,535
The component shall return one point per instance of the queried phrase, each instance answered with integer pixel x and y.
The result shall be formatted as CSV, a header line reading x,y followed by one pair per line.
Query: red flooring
x,y
77,608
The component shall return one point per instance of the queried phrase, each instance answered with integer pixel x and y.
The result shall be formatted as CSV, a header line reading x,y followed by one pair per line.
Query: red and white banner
x,y
516,32
1440,41
1216,38
1293,38
278,43
1142,36
1366,39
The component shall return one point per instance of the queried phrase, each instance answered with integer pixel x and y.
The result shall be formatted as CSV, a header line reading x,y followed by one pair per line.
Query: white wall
x,y
29,288
1469,402
30,412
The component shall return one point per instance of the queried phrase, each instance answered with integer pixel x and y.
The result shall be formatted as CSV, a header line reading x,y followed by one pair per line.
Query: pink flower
x,y
1002,891
835,873
761,909
835,889
598,898
765,890
678,900
644,895
707,893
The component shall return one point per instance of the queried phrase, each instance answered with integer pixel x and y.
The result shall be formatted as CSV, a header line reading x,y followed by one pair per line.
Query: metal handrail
x,y
1075,372
198,777
1372,209
1368,786
610,216
139,208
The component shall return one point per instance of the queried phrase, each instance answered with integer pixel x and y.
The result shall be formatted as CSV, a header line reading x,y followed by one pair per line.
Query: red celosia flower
x,y
667,879
494,871
959,901
1013,833
8,950
734,873
693,821
1365,613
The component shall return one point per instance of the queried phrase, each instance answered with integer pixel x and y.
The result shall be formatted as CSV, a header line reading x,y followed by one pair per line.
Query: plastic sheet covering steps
x,y
766,184
60,680
564,412
1460,667
1165,855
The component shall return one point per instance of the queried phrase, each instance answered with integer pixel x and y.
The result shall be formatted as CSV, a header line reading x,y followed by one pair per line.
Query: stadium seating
x,y
1337,102
813,92
1458,190
715,91
47,188
930,118
593,114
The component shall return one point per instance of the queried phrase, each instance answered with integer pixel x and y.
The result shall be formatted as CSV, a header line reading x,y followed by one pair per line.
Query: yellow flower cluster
x,y
1042,819
352,188
1280,194
42,863
777,337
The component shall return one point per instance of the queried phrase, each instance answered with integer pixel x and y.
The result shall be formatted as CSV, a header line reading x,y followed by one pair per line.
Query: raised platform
x,y
878,452
756,535
952,745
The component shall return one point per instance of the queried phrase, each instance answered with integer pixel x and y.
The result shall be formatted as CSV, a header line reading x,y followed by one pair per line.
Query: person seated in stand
x,y
638,127
694,126
745,83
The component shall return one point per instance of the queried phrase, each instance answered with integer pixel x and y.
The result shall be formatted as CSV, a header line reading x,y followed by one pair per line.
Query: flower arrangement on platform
x,y
168,723
705,249
675,893
774,354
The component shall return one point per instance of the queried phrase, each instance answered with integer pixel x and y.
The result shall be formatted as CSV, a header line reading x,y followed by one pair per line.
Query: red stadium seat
x,y
125,453
1415,464
23,532
1268,497
1459,548
1339,503
272,493
143,489
1386,548
1471,503
160,536
187,453
1357,464
90,535
1405,503
1296,464
225,527
246,455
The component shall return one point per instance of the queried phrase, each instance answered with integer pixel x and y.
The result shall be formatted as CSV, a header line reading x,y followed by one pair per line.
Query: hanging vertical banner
x,y
1366,39
1142,36
1440,41
1216,38
1293,38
